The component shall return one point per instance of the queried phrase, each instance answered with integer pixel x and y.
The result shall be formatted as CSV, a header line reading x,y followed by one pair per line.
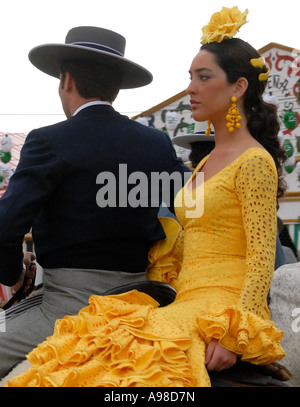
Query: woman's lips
x,y
194,103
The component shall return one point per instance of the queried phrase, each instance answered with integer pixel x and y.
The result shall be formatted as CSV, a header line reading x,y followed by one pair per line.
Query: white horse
x,y
285,312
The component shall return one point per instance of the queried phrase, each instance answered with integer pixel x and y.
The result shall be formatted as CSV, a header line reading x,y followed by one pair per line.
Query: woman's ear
x,y
241,86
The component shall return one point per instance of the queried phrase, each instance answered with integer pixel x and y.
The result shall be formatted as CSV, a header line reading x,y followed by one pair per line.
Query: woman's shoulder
x,y
256,154
256,160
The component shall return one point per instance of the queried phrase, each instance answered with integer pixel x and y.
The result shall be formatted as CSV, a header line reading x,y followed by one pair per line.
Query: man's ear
x,y
68,82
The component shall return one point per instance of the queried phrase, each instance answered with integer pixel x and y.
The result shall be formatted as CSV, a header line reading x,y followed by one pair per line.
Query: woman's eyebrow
x,y
199,70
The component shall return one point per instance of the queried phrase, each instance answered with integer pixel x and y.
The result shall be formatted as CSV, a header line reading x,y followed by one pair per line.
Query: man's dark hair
x,y
93,80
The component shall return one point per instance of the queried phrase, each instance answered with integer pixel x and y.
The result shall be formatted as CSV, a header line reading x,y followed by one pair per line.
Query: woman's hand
x,y
218,358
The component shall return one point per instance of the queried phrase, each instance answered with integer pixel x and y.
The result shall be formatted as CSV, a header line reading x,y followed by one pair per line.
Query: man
x,y
197,145
71,187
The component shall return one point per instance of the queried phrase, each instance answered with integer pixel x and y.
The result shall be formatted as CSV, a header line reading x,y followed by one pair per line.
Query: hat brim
x,y
186,140
48,59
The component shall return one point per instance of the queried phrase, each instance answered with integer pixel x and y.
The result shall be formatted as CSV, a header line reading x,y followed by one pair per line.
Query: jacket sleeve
x,y
28,187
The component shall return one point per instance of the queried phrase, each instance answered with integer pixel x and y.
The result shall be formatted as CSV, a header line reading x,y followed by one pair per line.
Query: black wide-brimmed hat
x,y
186,140
92,44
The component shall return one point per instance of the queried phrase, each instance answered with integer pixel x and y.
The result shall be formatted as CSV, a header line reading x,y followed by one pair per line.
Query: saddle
x,y
244,374
163,293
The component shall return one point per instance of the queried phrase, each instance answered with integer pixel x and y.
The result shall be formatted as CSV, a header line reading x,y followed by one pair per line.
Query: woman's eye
x,y
204,78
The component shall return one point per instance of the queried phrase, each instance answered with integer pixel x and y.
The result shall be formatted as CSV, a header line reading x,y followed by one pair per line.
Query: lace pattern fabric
x,y
232,248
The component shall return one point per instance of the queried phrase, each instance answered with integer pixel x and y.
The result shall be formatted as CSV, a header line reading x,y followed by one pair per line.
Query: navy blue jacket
x,y
57,191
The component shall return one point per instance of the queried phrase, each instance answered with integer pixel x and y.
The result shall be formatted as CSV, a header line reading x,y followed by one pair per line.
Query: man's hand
x,y
29,273
218,358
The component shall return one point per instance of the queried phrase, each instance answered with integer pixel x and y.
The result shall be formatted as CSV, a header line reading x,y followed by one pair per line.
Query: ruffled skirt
x,y
126,340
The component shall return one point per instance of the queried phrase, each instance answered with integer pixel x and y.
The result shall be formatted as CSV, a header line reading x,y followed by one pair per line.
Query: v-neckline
x,y
203,162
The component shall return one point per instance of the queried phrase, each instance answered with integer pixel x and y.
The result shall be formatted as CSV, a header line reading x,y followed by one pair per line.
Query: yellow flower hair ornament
x,y
223,25
260,63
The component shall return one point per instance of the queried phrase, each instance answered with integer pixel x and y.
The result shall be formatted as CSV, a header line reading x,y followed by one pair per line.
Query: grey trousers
x,y
65,292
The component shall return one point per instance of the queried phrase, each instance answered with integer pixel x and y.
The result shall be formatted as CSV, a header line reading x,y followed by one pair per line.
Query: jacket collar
x,y
97,102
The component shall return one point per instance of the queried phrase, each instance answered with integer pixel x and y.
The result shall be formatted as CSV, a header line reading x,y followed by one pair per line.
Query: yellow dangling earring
x,y
208,130
233,116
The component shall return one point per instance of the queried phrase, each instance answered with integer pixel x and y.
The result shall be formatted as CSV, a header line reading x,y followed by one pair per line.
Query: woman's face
x,y
210,93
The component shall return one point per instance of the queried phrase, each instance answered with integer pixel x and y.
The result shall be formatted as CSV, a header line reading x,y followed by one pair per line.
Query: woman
x,y
220,311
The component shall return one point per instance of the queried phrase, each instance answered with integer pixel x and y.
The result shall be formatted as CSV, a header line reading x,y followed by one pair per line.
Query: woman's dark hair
x,y
234,56
93,80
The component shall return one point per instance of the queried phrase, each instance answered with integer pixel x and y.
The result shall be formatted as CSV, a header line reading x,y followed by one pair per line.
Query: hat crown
x,y
96,37
94,45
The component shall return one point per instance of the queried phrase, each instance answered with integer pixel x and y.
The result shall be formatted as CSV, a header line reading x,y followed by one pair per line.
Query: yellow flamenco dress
x,y
226,265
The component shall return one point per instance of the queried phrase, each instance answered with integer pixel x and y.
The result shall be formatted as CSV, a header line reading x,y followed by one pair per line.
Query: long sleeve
x,y
256,185
28,186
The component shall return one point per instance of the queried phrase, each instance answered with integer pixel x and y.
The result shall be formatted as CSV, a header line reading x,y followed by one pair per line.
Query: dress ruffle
x,y
114,341
165,256
255,339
